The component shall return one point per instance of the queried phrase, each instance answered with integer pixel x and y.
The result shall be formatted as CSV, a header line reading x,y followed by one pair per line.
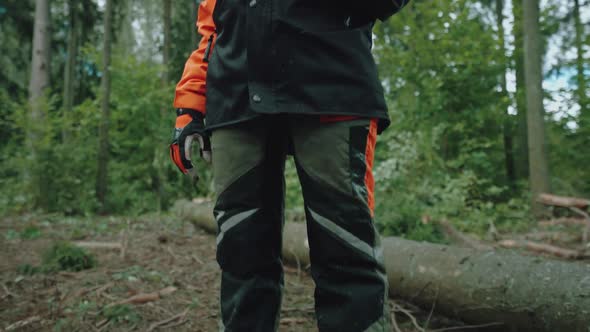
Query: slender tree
x,y
521,146
507,123
159,155
581,79
167,18
39,82
70,67
103,149
538,168
41,57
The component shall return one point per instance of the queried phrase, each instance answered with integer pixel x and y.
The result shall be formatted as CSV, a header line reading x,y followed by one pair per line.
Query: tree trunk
x,y
40,71
523,293
520,293
41,57
521,146
70,68
159,153
507,118
103,139
538,168
167,34
580,78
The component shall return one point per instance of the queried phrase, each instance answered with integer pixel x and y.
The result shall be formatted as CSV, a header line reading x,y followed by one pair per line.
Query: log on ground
x,y
562,201
477,286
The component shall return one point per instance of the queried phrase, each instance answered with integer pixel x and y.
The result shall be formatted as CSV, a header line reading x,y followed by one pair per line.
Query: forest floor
x,y
160,255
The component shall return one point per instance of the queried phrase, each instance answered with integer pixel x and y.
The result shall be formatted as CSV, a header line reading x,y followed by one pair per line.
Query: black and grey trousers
x,y
334,161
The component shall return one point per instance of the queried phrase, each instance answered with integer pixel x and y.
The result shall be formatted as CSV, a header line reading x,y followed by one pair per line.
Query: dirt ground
x,y
171,262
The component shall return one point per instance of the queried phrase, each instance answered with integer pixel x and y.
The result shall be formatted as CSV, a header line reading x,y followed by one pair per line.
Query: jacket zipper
x,y
208,49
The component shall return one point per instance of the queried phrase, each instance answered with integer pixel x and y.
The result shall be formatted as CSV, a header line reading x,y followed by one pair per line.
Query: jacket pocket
x,y
208,48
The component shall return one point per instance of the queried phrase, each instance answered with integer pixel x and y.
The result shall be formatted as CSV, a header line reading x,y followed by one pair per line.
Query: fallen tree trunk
x,y
477,286
563,201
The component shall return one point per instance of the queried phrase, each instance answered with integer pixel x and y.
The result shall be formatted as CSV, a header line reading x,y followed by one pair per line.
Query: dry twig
x,y
8,293
466,327
409,314
22,323
393,319
180,317
146,297
542,248
461,238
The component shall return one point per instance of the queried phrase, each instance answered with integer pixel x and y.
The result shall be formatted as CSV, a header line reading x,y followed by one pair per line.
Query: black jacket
x,y
285,56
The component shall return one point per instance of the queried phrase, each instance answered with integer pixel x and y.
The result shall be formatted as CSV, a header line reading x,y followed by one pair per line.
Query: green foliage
x,y
27,269
63,256
136,272
29,233
141,177
415,184
121,313
293,195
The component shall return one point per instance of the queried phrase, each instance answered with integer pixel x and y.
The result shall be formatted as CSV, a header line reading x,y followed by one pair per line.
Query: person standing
x,y
272,78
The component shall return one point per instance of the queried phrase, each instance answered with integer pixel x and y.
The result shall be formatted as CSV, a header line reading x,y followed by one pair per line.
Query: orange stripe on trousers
x,y
369,158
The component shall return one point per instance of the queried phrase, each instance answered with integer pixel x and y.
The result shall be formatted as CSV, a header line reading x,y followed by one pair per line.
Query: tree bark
x,y
41,57
507,118
70,68
580,77
39,82
103,139
159,155
521,146
522,293
167,34
538,168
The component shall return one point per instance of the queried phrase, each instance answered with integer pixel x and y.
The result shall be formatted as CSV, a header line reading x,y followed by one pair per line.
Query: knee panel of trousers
x,y
235,151
334,156
342,209
249,226
246,246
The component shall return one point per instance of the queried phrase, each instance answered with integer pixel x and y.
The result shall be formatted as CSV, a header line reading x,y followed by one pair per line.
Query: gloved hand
x,y
188,129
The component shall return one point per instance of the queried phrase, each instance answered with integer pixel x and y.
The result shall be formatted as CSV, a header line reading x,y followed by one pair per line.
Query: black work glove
x,y
189,128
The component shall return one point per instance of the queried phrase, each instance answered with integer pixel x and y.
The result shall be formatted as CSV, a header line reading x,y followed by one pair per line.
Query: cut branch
x,y
460,238
99,245
563,201
180,317
541,248
146,297
563,221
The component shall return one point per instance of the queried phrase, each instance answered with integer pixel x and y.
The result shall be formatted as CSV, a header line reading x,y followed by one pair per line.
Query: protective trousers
x,y
334,162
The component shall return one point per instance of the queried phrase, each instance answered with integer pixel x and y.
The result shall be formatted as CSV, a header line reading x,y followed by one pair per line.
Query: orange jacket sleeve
x,y
191,89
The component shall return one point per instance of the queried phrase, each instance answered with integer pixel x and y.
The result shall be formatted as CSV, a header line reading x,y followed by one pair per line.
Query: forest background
x,y
77,139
